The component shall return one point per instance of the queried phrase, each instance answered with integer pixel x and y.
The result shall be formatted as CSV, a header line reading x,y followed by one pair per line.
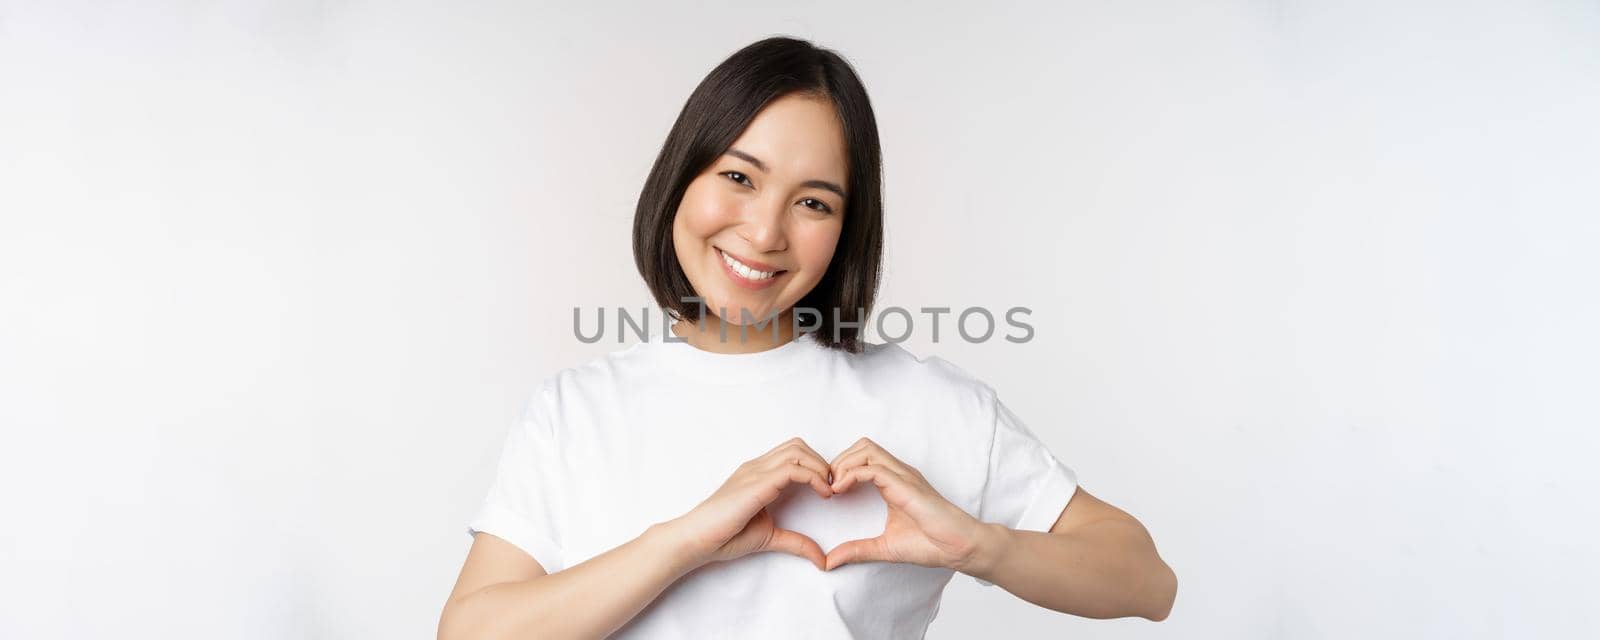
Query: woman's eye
x,y
810,203
821,206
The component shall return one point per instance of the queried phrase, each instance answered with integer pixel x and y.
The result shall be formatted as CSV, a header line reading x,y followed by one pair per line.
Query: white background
x,y
1313,285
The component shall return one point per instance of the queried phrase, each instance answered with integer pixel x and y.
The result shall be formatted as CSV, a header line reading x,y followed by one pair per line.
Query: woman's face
x,y
756,230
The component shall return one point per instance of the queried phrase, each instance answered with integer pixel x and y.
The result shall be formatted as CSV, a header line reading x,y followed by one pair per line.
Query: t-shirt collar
x,y
687,359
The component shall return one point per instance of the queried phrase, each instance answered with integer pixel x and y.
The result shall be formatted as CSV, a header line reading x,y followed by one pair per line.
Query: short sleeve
x,y
523,505
1028,486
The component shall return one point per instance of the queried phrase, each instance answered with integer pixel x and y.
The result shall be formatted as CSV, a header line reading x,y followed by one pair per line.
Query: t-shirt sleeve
x,y
1028,486
523,504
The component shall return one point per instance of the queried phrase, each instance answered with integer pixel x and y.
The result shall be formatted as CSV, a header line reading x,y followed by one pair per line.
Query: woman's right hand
x,y
734,522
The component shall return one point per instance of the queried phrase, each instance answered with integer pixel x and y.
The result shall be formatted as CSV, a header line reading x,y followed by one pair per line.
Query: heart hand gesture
x,y
923,528
733,522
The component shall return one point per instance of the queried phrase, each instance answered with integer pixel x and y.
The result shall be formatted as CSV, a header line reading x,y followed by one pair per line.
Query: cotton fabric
x,y
643,434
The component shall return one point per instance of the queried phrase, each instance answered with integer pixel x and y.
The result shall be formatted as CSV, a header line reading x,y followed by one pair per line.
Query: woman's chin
x,y
740,315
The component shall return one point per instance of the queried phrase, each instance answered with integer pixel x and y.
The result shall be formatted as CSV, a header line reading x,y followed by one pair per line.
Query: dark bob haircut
x,y
717,113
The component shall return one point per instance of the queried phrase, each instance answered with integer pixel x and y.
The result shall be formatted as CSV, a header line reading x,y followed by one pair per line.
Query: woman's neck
x,y
714,335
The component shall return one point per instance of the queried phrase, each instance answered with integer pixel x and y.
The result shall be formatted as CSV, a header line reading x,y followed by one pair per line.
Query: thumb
x,y
863,550
795,543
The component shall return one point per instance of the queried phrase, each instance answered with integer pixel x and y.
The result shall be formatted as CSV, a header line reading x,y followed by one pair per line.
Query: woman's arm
x,y
504,593
1096,562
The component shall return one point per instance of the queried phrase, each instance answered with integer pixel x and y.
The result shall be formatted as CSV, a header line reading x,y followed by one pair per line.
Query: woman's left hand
x,y
923,527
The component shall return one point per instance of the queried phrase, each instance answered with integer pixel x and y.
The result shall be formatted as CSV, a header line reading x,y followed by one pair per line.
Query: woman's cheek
x,y
816,248
703,214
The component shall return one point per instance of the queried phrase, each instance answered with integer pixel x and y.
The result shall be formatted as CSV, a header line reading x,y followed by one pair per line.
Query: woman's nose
x,y
763,227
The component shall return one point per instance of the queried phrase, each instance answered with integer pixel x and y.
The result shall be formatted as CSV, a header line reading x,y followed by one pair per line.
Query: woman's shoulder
x,y
929,374
605,373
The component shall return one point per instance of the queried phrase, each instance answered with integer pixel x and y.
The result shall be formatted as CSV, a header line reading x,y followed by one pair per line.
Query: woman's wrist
x,y
990,543
673,542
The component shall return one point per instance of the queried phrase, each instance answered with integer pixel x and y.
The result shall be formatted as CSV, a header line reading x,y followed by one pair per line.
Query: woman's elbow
x,y
455,623
1165,593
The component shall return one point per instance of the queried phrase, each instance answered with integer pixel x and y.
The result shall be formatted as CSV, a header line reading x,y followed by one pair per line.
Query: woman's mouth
x,y
745,275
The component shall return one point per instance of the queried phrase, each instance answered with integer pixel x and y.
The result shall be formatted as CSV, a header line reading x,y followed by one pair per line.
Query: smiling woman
x,y
772,169
640,492
743,206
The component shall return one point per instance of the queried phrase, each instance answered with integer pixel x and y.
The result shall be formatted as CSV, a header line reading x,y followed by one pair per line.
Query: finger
x,y
812,455
864,550
874,455
877,475
893,462
780,447
853,459
807,475
796,543
862,442
796,451
868,447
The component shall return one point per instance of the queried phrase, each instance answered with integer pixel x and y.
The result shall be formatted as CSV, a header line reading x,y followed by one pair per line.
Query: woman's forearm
x,y
590,599
1104,569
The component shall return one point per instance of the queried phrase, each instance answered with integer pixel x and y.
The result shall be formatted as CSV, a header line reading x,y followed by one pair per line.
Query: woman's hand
x,y
923,527
734,521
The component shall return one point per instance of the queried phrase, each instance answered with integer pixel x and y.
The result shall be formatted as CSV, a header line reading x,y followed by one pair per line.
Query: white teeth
x,y
741,269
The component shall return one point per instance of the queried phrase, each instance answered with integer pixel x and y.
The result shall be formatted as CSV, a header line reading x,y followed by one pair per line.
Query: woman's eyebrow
x,y
820,184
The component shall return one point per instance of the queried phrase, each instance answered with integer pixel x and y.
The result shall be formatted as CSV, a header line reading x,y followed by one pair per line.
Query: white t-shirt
x,y
645,433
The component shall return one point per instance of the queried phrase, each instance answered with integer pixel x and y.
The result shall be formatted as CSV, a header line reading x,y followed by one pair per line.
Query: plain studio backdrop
x,y
1313,286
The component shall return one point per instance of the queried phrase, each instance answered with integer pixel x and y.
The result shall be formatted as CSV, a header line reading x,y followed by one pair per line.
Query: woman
x,y
639,491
